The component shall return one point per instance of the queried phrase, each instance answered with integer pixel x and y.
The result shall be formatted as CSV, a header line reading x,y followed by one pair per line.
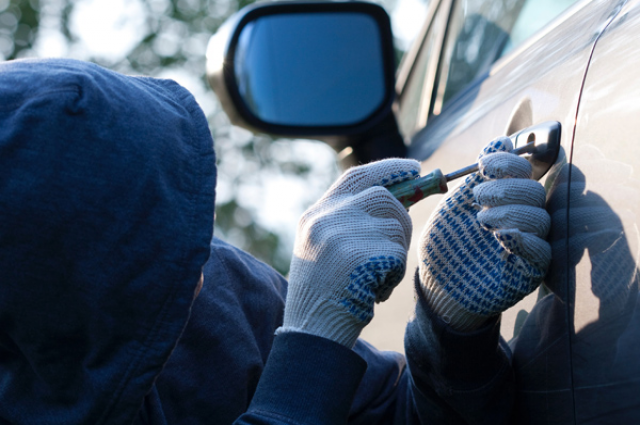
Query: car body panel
x,y
540,81
603,238
576,341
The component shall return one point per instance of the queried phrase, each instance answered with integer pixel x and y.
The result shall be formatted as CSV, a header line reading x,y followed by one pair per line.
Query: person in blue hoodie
x,y
118,307
107,187
106,216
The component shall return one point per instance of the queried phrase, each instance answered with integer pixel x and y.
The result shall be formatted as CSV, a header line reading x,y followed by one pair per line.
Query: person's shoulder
x,y
236,263
224,251
225,248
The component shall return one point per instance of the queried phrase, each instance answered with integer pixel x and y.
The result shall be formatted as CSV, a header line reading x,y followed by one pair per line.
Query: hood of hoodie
x,y
106,214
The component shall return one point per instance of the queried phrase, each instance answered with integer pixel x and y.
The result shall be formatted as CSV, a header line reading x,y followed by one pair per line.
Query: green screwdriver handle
x,y
412,191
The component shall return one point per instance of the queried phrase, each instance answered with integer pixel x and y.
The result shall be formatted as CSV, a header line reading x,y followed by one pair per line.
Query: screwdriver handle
x,y
412,191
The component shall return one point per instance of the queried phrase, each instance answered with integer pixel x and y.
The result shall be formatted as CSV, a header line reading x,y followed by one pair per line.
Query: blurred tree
x,y
169,39
19,20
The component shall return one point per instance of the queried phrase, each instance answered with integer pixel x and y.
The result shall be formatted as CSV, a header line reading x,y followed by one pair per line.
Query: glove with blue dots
x,y
483,248
350,251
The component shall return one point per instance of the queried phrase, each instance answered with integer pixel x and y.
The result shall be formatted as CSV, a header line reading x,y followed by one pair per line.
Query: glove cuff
x,y
448,309
326,320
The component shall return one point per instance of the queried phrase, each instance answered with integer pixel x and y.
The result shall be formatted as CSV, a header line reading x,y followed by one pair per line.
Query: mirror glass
x,y
311,69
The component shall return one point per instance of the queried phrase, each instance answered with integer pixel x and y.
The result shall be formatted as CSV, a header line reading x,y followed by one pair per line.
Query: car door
x,y
602,236
577,65
479,70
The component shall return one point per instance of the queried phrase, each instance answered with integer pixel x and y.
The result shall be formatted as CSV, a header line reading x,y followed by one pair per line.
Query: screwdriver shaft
x,y
528,148
412,191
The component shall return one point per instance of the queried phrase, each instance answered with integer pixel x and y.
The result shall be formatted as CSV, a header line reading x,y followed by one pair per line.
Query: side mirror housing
x,y
324,70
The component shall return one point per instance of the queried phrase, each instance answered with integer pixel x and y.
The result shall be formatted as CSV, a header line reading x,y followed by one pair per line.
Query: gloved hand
x,y
350,250
483,249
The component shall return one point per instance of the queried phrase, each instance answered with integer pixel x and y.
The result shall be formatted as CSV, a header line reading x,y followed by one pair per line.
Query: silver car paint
x,y
537,82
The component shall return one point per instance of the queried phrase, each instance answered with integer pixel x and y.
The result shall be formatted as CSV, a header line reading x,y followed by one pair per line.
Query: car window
x,y
534,15
409,113
480,32
414,101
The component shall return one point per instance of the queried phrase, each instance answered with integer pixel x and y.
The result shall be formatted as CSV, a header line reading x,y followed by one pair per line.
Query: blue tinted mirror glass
x,y
311,69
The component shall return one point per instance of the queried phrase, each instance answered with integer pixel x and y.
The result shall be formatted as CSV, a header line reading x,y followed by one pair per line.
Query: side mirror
x,y
305,68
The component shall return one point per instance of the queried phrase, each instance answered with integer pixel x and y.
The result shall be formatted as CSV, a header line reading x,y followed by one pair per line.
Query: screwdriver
x,y
411,191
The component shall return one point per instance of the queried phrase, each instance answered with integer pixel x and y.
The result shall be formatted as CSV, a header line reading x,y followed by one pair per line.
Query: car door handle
x,y
546,139
541,144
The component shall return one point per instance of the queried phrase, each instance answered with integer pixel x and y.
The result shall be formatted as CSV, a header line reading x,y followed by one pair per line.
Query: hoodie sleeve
x,y
312,380
292,378
234,370
458,378
307,380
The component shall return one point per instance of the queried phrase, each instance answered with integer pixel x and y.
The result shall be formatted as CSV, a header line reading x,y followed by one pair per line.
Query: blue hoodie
x,y
106,216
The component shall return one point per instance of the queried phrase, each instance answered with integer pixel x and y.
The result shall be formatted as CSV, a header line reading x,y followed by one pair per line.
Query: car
x,y
479,70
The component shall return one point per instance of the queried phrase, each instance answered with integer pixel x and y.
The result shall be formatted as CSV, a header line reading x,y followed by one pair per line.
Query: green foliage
x,y
238,226
19,21
174,38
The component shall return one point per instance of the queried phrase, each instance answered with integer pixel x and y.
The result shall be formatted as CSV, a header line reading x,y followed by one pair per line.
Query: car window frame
x,y
430,86
438,10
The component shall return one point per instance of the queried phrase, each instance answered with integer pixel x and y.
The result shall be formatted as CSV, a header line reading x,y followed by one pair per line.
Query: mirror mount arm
x,y
382,140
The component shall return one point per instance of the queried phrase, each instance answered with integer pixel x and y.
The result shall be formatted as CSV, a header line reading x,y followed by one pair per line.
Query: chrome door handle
x,y
546,136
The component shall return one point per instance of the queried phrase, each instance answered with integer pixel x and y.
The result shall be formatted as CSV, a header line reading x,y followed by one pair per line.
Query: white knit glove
x,y
350,250
483,249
